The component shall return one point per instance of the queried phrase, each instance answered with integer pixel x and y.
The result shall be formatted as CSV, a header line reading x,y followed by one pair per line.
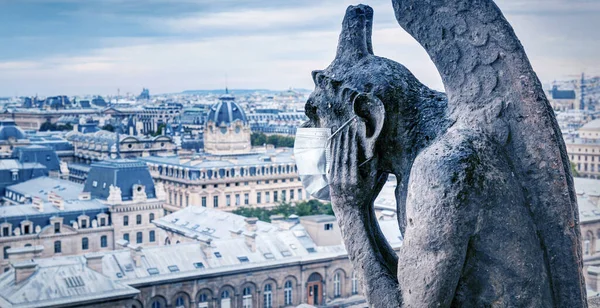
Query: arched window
x,y
158,303
57,247
180,302
103,241
354,283
337,286
268,296
85,243
225,299
138,237
203,301
247,298
152,237
287,292
151,217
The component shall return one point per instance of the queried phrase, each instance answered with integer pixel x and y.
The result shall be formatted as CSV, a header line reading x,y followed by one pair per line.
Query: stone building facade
x,y
117,202
584,150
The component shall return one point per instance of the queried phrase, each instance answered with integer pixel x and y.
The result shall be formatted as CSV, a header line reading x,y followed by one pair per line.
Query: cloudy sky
x,y
76,47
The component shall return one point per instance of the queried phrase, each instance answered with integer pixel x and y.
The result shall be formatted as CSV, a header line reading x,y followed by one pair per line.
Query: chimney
x,y
136,254
38,203
85,195
24,270
16,255
235,233
250,240
251,224
94,261
206,247
56,200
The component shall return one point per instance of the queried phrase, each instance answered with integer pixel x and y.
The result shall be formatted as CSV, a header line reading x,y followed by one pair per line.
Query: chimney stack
x,y
56,200
94,261
250,240
24,270
251,224
206,247
136,254
38,203
16,255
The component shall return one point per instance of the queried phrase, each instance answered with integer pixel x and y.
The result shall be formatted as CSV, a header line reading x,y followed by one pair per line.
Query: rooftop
x,y
40,187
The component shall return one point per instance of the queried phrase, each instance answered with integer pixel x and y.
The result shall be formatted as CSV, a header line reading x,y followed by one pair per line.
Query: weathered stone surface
x,y
485,196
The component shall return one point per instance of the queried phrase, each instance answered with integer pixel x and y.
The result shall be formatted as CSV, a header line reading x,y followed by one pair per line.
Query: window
x,y
26,229
204,201
203,301
103,241
138,219
243,259
85,243
267,197
218,254
173,268
299,193
287,293
102,221
225,300
180,302
336,285
156,304
247,298
283,195
151,217
126,236
268,296
6,252
291,194
258,198
216,201
125,220
152,236
246,199
6,231
153,271
57,247
138,237
328,227
199,265
354,283
95,184
586,246
228,200
83,223
237,199
275,196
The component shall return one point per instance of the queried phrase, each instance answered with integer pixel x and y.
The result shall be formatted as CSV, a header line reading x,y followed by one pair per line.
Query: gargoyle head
x,y
381,92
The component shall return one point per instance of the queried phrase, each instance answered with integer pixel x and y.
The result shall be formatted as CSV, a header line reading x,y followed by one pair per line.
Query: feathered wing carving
x,y
492,87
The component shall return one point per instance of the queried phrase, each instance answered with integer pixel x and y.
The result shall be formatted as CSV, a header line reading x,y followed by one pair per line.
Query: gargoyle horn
x,y
355,38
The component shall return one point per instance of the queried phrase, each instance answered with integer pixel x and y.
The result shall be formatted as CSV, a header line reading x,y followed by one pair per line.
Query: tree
x,y
574,171
259,139
286,209
159,130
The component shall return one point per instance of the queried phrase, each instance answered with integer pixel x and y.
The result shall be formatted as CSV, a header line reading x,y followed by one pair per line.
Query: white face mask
x,y
313,158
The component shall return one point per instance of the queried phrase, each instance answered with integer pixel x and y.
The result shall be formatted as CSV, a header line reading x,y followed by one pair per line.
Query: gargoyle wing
x,y
492,87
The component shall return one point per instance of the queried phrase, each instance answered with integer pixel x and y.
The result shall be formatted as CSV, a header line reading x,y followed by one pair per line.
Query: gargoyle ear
x,y
371,110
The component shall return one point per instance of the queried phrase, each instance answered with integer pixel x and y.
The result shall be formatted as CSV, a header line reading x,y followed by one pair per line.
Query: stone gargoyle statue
x,y
485,196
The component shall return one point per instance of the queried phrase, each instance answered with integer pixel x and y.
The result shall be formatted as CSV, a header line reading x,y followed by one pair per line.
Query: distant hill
x,y
241,91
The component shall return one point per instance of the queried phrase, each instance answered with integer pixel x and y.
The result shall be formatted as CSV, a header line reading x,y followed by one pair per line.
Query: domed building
x,y
227,130
11,136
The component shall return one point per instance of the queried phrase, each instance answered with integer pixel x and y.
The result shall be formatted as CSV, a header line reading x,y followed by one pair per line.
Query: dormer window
x,y
57,227
5,231
84,223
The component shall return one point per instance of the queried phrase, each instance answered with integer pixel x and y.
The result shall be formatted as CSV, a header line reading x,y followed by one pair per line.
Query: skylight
x,y
153,271
243,259
173,268
199,265
218,254
75,281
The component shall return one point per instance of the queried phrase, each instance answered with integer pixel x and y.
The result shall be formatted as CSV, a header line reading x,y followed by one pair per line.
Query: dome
x,y
9,130
226,111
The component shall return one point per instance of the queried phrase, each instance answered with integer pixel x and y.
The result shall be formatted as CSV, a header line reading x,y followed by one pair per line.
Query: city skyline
x,y
76,48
